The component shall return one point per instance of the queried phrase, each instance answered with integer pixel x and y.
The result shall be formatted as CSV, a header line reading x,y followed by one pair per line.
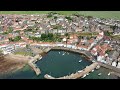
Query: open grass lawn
x,y
101,14
24,53
115,36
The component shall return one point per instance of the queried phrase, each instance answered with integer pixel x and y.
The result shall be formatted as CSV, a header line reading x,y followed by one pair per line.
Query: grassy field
x,y
101,14
24,53
115,36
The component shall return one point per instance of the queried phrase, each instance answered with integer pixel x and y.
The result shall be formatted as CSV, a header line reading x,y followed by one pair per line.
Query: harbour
x,y
57,65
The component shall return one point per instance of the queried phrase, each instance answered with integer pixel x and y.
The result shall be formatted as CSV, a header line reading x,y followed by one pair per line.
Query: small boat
x,y
84,76
87,73
63,54
98,67
99,74
80,71
109,74
59,52
92,70
80,61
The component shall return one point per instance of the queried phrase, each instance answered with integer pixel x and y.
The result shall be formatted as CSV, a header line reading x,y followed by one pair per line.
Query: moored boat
x,y
83,76
80,61
92,70
99,74
109,74
59,52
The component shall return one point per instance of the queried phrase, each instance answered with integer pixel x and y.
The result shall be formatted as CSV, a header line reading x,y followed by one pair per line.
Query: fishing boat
x,y
99,74
63,54
109,74
98,67
92,70
80,61
83,76
80,71
87,73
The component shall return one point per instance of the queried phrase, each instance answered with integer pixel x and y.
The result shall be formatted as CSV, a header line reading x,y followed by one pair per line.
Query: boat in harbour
x,y
83,76
80,61
80,71
99,74
98,67
63,54
109,74
87,73
92,70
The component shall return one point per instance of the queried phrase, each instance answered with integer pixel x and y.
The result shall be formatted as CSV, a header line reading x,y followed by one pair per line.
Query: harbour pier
x,y
76,75
32,64
115,71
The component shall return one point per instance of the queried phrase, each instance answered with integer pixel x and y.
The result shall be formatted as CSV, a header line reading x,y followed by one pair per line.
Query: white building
x,y
114,64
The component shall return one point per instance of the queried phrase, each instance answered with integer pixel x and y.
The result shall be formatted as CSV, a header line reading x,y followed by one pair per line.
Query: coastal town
x,y
29,34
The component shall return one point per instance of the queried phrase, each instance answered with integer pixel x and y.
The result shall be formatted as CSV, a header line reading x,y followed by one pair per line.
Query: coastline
x,y
23,60
114,69
32,64
12,63
84,53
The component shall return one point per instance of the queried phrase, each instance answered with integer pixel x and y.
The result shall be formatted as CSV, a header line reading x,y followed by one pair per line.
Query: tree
x,y
1,51
17,38
80,37
10,30
10,39
68,18
50,15
107,33
4,33
55,17
76,14
50,36
18,31
113,27
33,38
27,46
66,34
107,51
89,17
43,36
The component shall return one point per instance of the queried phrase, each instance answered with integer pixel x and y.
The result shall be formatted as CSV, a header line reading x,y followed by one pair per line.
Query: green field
x,y
101,14
23,53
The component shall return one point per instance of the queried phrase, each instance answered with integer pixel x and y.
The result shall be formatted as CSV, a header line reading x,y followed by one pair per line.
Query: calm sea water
x,y
58,63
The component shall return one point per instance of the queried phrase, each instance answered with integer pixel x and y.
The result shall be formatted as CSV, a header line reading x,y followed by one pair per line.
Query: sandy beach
x,y
11,63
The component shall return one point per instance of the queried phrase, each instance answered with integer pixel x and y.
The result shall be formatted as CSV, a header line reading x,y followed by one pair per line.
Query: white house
x,y
114,64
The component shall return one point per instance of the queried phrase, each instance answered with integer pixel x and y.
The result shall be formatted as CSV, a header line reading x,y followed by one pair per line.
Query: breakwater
x,y
32,64
76,75
117,70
